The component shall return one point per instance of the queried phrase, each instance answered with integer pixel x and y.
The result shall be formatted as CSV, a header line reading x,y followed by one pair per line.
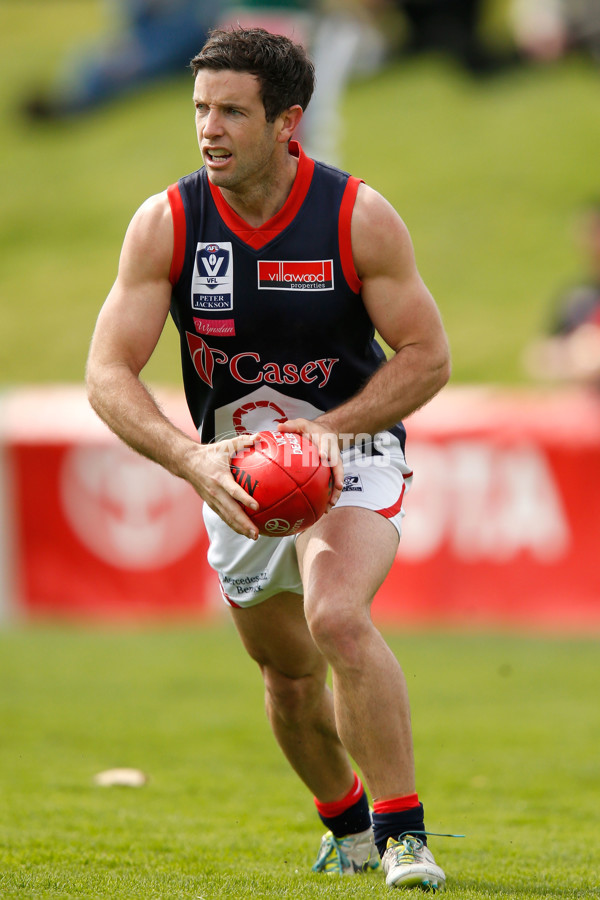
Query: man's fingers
x,y
229,505
239,522
327,446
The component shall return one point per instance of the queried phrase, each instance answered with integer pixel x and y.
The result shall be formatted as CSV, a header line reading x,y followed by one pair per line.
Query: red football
x,y
284,474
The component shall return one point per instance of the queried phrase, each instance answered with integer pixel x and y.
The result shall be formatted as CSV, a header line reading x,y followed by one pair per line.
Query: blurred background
x,y
478,119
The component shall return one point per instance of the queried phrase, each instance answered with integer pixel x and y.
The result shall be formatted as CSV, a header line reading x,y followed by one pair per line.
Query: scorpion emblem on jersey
x,y
243,416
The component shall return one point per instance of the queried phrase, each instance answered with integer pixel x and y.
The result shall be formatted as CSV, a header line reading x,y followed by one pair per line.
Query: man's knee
x,y
338,630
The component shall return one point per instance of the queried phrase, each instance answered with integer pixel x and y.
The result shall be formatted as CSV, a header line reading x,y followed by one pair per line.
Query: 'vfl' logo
x,y
212,278
212,261
248,367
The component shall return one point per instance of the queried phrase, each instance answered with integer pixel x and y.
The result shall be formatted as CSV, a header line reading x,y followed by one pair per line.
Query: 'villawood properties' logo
x,y
305,275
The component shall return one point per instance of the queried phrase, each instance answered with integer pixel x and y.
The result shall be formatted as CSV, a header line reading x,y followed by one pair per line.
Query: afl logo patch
x,y
212,280
288,275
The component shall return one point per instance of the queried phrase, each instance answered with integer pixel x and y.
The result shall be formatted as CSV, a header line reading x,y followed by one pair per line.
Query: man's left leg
x,y
343,560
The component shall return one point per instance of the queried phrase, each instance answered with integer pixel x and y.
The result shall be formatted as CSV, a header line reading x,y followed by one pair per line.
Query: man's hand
x,y
208,470
327,443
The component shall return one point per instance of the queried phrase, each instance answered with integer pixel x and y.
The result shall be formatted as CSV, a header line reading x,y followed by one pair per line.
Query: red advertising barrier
x,y
97,530
502,524
503,519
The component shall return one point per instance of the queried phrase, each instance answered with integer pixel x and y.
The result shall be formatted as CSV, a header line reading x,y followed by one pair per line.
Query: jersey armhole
x,y
345,235
179,232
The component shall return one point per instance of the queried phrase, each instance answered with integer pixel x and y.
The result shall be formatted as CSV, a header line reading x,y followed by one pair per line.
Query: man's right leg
x,y
299,706
298,701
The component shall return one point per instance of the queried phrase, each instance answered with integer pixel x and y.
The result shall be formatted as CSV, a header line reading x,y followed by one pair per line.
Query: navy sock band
x,y
393,824
353,820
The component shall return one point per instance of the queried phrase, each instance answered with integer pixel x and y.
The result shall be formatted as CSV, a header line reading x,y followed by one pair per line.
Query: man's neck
x,y
259,202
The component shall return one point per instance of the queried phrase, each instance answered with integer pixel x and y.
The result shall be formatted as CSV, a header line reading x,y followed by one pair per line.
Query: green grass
x,y
487,174
506,733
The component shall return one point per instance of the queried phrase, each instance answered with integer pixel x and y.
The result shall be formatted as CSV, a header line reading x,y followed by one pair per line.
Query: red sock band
x,y
396,804
330,810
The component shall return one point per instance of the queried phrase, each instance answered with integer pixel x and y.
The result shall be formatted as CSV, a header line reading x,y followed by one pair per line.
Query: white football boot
x,y
408,863
347,855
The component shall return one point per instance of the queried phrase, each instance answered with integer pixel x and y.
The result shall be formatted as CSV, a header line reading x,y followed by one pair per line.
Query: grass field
x,y
506,731
488,175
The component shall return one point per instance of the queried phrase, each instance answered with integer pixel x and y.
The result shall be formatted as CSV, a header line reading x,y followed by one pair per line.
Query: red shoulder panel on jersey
x,y
345,237
179,232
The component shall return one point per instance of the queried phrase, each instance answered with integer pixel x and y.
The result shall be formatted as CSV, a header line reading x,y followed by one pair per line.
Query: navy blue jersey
x,y
271,321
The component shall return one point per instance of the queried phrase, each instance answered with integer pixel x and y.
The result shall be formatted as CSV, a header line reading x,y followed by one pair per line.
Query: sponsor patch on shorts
x,y
244,584
352,483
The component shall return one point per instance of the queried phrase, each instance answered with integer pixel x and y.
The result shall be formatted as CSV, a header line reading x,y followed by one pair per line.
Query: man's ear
x,y
288,123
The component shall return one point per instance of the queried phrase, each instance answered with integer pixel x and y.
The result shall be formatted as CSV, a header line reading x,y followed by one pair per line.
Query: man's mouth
x,y
217,155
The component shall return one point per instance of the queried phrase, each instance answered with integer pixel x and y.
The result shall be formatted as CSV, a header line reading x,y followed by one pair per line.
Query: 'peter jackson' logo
x,y
212,280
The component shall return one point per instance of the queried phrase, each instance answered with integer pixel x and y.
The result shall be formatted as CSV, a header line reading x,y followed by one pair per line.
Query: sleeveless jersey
x,y
271,321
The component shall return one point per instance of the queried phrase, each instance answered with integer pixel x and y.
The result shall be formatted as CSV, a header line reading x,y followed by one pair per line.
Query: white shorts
x,y
252,571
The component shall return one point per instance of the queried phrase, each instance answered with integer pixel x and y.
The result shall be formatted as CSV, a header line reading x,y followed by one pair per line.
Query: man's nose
x,y
213,123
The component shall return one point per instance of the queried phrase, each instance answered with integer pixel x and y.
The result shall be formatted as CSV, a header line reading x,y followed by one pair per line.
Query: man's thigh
x,y
345,558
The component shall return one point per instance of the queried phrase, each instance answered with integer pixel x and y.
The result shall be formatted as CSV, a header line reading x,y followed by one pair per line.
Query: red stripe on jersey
x,y
345,235
179,231
259,237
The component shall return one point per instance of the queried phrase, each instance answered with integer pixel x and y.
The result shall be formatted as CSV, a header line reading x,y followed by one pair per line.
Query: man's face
x,y
235,139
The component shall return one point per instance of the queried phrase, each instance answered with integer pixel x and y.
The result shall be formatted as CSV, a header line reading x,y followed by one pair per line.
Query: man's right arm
x,y
127,331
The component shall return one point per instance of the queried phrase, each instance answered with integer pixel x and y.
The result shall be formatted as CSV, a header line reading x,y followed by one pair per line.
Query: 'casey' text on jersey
x,y
248,368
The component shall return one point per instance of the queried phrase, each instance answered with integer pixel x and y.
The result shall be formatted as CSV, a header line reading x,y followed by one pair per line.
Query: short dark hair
x,y
285,73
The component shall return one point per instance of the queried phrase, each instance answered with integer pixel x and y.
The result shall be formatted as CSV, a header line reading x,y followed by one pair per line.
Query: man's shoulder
x,y
330,169
196,175
192,179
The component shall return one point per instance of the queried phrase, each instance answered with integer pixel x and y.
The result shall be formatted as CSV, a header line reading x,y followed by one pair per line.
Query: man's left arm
x,y
405,315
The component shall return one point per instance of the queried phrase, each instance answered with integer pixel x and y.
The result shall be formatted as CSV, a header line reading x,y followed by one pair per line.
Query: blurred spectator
x,y
452,27
546,30
149,39
346,43
571,351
